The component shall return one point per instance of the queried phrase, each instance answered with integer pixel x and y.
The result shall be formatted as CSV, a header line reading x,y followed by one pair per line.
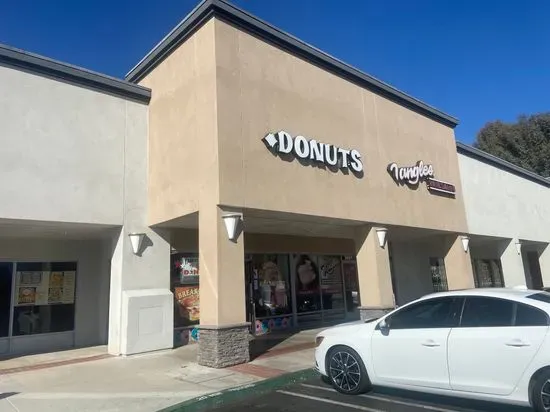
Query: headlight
x,y
319,340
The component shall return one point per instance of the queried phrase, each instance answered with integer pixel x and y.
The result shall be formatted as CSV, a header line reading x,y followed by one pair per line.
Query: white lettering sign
x,y
411,175
310,149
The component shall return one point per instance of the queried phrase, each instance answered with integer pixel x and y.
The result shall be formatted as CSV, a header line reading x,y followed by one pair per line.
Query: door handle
x,y
430,343
517,343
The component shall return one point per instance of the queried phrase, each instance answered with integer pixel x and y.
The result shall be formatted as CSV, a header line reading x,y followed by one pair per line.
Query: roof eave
x,y
43,66
270,34
485,157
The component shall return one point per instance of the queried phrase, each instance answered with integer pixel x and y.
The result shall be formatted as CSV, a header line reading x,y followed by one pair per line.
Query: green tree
x,y
525,143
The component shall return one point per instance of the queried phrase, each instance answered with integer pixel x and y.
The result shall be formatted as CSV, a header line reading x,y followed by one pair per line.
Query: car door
x,y
495,342
413,349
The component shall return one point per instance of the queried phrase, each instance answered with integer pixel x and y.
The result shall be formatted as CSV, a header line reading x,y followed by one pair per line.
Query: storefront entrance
x,y
289,291
283,292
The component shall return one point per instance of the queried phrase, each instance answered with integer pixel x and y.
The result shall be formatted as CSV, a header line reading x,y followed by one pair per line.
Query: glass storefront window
x,y
6,275
487,273
271,285
351,281
331,282
439,275
308,294
44,297
185,286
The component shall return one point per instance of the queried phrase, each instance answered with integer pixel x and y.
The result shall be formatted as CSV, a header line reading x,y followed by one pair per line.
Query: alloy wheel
x,y
545,395
345,371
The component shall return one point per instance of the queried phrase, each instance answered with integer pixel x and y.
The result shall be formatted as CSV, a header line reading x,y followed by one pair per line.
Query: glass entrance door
x,y
6,289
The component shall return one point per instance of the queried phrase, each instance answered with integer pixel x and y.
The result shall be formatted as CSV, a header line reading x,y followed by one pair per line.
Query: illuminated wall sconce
x,y
137,240
465,243
382,233
231,221
518,247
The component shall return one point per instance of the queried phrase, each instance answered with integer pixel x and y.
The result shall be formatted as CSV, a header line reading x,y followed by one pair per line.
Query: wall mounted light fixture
x,y
465,243
231,221
137,240
382,233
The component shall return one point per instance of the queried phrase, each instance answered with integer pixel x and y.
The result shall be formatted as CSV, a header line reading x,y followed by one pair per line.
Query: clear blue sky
x,y
478,60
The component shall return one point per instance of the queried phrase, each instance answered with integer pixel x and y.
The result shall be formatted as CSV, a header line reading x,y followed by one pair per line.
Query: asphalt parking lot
x,y
316,396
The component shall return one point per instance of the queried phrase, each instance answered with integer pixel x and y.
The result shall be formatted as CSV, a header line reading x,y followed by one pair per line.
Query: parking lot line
x,y
346,405
385,399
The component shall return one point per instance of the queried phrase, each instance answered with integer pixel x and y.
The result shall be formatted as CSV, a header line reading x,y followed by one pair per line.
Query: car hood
x,y
347,328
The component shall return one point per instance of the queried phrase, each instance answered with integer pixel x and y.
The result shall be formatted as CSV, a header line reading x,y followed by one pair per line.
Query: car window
x,y
432,313
487,312
529,316
540,296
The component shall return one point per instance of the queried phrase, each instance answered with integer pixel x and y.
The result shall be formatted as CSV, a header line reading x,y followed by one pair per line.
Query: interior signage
x,y
413,175
312,150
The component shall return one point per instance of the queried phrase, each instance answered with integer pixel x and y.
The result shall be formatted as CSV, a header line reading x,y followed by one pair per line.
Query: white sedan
x,y
485,344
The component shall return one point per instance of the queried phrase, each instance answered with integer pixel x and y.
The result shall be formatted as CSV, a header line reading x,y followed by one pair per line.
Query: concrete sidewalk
x,y
89,380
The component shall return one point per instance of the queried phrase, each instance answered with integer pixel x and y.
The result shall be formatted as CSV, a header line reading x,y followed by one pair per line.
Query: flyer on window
x,y
44,288
32,288
188,303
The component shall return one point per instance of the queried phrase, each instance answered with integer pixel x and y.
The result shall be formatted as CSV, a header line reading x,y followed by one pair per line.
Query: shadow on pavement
x,y
260,345
7,394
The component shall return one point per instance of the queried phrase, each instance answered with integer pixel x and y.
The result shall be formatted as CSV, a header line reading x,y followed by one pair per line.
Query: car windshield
x,y
540,296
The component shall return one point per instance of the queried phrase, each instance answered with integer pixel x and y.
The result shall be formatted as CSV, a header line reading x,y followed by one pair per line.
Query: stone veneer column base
x,y
223,346
373,313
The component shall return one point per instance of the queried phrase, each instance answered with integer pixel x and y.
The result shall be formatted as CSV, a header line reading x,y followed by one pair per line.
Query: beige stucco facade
x,y
223,90
214,99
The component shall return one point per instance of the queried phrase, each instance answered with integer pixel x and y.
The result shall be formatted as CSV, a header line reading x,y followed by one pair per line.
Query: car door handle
x,y
517,343
430,343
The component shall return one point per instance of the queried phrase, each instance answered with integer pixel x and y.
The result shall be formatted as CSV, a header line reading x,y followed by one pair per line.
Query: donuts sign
x,y
314,151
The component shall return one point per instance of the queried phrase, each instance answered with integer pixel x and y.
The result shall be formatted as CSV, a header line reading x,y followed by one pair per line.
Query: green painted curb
x,y
212,400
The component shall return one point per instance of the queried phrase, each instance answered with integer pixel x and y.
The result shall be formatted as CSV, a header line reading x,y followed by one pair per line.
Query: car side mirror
x,y
384,326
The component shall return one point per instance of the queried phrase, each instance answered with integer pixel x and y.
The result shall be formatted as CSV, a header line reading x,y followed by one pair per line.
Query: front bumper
x,y
320,356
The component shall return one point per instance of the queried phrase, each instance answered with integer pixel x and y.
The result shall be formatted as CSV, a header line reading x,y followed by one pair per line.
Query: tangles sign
x,y
312,150
413,175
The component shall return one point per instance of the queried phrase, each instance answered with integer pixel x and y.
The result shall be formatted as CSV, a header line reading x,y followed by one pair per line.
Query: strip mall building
x,y
238,182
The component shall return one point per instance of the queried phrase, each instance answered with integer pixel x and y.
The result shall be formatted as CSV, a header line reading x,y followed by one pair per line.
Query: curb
x,y
212,400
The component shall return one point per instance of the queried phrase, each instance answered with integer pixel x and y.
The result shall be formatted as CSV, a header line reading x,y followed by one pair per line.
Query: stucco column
x,y
224,332
373,266
544,261
513,270
458,265
141,308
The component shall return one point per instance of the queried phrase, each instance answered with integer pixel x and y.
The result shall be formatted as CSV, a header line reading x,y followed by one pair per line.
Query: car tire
x,y
326,379
541,382
346,371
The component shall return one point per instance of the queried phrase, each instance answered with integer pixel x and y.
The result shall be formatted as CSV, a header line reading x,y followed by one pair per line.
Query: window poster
x,y
188,305
45,288
61,287
331,274
270,285
185,268
331,282
350,275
